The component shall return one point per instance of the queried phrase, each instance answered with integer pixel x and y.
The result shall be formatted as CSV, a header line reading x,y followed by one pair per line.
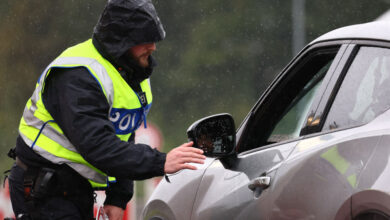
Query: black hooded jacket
x,y
78,105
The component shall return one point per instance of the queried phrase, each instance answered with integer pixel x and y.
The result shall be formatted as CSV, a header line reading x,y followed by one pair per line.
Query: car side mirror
x,y
215,135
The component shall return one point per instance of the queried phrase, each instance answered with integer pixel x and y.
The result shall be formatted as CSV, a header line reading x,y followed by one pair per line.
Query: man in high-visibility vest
x,y
77,130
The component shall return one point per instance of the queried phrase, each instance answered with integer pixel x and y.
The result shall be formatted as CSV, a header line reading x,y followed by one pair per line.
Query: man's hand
x,y
178,158
113,212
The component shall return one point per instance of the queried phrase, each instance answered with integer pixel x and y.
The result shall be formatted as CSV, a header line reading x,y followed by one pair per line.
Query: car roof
x,y
378,30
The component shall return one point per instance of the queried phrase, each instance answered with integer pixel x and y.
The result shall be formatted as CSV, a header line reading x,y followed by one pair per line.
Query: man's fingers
x,y
187,166
192,154
191,160
178,158
189,148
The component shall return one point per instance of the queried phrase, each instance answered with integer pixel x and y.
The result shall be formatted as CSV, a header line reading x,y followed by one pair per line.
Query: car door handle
x,y
261,182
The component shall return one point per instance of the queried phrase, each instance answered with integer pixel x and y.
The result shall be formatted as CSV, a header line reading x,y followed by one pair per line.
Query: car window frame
x,y
317,117
337,80
243,131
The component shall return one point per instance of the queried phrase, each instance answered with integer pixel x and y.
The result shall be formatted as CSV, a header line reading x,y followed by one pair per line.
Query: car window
x,y
364,92
291,123
282,113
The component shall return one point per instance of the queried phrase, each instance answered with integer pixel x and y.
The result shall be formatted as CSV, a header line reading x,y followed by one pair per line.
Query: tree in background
x,y
32,33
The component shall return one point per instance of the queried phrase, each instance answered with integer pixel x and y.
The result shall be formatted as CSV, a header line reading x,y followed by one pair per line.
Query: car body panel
x,y
314,183
373,184
367,31
224,194
176,204
331,169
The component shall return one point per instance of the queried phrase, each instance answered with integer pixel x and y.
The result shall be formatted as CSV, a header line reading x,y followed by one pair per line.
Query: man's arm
x,y
76,102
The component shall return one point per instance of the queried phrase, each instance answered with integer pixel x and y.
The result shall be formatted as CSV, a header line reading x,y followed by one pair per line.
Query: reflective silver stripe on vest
x,y
96,66
48,131
83,170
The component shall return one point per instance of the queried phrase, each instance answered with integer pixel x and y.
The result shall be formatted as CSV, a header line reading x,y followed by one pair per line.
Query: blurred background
x,y
218,55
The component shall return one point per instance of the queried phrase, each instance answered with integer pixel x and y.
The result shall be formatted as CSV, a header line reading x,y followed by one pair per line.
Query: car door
x,y
366,111
238,188
333,173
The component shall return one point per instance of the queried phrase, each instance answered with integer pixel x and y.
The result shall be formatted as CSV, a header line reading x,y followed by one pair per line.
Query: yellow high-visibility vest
x,y
39,130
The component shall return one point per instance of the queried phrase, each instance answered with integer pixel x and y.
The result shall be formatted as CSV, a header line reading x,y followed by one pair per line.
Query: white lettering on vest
x,y
121,125
116,118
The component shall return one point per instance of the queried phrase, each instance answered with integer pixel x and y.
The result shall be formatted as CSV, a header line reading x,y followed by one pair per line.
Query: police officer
x,y
77,130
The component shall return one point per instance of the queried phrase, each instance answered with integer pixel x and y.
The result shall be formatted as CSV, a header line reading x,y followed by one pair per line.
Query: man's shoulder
x,y
74,76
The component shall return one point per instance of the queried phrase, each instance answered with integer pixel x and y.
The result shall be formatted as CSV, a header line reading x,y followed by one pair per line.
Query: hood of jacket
x,y
124,24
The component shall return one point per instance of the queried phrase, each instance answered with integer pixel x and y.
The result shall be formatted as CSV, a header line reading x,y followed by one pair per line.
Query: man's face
x,y
141,53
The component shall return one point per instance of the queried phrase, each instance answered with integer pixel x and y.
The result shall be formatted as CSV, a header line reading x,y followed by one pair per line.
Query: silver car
x,y
316,145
